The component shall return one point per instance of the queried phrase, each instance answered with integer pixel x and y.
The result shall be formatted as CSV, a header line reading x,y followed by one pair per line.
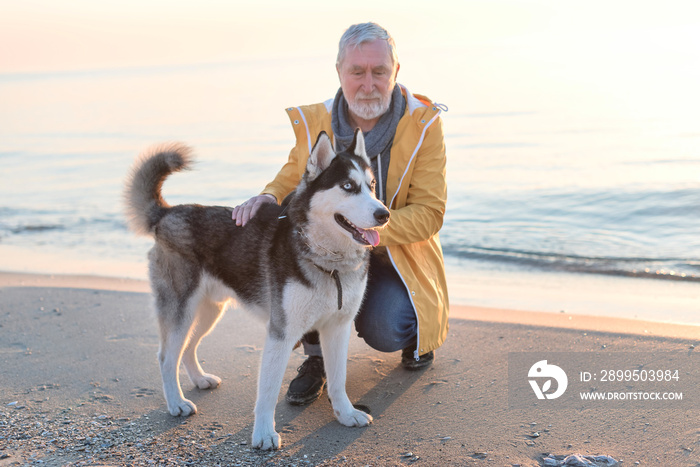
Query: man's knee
x,y
384,335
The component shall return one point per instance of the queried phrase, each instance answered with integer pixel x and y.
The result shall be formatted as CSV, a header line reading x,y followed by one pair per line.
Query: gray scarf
x,y
378,141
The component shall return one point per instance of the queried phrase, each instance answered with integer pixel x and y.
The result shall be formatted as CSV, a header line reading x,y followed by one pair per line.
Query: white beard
x,y
370,110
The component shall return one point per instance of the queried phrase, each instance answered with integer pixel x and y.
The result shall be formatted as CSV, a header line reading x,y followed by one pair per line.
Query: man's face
x,y
367,77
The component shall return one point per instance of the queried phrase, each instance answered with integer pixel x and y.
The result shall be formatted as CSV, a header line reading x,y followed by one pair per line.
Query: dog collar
x,y
334,274
333,256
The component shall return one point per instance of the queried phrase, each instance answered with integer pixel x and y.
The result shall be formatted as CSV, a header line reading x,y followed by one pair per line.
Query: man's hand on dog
x,y
244,212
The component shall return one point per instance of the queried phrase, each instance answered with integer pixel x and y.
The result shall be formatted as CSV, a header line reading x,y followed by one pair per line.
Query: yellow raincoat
x,y
416,195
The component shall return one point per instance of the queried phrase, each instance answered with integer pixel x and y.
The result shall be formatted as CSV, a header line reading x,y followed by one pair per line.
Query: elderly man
x,y
406,303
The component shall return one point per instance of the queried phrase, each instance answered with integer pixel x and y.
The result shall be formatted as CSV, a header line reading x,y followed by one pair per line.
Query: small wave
x,y
35,228
651,268
500,114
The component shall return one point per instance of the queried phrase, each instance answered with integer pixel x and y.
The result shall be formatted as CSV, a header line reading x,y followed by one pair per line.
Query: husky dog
x,y
299,266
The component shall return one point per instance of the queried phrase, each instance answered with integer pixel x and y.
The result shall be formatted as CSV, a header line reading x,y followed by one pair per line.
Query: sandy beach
x,y
80,385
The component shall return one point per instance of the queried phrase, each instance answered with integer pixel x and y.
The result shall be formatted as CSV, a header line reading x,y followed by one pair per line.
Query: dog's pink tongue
x,y
372,237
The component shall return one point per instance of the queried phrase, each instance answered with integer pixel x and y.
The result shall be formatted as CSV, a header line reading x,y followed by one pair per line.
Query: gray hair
x,y
358,34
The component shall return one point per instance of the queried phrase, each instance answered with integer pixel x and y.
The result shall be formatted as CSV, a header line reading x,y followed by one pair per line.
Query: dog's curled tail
x,y
144,203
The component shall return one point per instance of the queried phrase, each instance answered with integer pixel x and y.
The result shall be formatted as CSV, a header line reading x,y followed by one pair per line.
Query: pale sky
x,y
48,35
636,56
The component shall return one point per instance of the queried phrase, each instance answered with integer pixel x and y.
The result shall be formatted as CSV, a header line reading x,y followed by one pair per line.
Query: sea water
x,y
536,189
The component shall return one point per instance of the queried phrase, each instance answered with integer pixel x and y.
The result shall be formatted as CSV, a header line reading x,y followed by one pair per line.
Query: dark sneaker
x,y
409,362
309,383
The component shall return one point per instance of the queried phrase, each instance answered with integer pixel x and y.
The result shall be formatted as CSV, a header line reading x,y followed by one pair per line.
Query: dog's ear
x,y
321,156
358,146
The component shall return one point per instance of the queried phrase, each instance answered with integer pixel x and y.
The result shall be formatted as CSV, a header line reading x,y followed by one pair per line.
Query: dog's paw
x,y
207,381
266,440
354,418
183,408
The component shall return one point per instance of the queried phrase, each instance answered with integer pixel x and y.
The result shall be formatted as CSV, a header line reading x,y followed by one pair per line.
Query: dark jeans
x,y
387,320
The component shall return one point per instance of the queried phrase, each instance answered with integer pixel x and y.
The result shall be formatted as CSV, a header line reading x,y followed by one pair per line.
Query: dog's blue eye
x,y
351,187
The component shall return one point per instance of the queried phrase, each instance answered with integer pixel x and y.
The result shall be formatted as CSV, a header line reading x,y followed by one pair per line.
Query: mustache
x,y
371,95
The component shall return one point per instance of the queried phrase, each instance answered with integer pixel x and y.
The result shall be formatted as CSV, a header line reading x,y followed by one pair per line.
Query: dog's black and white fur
x,y
300,266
